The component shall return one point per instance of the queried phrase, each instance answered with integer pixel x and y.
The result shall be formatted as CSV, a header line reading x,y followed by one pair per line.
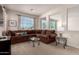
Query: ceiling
x,y
35,9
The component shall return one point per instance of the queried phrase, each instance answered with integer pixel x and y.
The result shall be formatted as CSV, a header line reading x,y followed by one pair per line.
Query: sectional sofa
x,y
18,36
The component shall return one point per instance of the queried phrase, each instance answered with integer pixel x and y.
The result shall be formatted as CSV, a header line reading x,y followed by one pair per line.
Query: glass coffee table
x,y
35,39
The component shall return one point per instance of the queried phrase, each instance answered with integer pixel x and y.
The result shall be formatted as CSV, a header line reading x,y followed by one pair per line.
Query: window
x,y
26,22
43,23
53,24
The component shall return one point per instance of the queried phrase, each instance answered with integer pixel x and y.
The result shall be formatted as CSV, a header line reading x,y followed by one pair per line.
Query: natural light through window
x,y
26,22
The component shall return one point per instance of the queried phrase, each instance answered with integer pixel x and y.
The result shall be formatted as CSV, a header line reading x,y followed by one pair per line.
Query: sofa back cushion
x,y
38,31
48,32
10,33
23,33
43,32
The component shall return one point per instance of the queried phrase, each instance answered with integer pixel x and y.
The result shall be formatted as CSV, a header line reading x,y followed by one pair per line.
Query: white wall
x,y
12,16
73,38
37,23
73,16
3,28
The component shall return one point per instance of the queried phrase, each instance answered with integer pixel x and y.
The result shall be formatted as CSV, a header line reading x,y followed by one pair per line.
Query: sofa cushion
x,y
23,33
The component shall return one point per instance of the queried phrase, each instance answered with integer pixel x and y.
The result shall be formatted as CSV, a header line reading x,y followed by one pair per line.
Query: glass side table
x,y
35,39
61,40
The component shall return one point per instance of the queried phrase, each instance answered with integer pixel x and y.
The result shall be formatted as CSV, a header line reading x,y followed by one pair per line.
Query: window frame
x,y
55,24
41,24
19,25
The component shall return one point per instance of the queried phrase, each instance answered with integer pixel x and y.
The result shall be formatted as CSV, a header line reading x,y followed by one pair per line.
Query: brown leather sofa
x,y
46,36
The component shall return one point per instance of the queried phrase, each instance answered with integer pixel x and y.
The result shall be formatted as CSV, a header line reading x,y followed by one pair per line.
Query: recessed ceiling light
x,y
31,9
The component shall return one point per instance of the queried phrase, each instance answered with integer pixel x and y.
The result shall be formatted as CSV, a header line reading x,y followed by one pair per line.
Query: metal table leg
x,y
33,43
38,42
65,44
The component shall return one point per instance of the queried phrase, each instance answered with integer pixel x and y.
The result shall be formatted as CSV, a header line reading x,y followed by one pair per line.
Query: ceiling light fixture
x,y
31,9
